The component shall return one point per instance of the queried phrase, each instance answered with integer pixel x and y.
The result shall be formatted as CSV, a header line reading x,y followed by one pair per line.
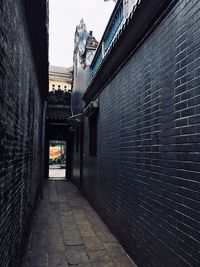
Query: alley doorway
x,y
57,160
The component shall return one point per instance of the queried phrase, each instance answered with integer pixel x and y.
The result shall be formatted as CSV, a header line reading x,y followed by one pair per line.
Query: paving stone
x,y
40,239
85,229
71,233
79,216
68,229
110,246
67,220
62,198
55,242
39,228
99,256
41,221
106,237
65,213
38,257
54,227
57,260
82,265
103,264
100,264
77,255
53,193
64,209
123,262
72,238
93,243
118,255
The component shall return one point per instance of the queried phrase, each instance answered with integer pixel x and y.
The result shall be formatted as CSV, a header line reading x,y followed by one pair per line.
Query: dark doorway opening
x,y
57,159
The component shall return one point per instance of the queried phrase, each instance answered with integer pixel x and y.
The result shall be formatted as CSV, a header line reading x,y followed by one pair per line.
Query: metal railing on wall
x,y
108,37
114,25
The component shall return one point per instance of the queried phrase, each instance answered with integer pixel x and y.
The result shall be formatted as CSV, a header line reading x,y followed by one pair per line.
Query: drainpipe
x,y
43,145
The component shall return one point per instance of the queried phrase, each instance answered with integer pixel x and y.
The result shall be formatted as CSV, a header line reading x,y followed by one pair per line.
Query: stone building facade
x,y
60,78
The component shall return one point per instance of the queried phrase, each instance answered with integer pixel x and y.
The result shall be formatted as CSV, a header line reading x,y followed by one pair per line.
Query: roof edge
x,y
141,23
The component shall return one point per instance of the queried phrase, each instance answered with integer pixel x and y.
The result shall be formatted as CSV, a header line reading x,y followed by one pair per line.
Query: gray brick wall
x,y
145,181
20,118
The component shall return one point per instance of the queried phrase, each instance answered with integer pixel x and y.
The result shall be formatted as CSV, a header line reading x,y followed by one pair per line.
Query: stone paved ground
x,y
68,232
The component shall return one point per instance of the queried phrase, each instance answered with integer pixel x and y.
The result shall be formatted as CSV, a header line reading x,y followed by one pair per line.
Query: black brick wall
x,y
20,119
145,181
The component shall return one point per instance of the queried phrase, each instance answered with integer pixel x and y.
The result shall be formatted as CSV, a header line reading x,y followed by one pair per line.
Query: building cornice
x,y
144,18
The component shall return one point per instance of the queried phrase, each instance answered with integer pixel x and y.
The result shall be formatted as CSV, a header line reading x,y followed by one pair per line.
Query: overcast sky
x,y
63,18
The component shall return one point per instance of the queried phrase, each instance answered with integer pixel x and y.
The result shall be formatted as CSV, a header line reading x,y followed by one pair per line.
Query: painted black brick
x,y
20,118
145,181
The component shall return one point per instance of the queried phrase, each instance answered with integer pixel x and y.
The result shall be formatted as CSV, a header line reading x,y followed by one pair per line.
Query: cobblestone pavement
x,y
68,232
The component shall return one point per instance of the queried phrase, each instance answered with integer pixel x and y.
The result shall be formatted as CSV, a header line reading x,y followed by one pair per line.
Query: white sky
x,y
64,16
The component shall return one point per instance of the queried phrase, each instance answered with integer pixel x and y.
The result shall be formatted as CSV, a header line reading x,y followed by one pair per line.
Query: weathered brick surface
x,y
145,181
20,118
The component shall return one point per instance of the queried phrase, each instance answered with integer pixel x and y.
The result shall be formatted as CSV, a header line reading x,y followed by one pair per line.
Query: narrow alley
x,y
68,232
100,155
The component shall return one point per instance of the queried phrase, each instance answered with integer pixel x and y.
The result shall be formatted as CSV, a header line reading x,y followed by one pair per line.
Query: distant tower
x,y
85,46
